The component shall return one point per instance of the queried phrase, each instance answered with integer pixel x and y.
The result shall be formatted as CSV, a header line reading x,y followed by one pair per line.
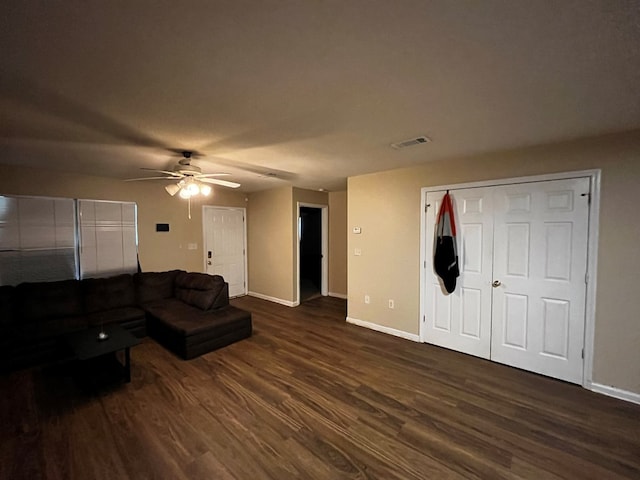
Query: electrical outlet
x,y
391,304
367,300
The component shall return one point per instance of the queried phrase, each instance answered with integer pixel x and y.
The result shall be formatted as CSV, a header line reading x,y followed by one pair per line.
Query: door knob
x,y
208,262
496,283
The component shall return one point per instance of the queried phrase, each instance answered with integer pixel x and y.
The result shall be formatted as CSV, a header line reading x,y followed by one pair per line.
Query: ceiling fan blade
x,y
173,179
206,175
224,183
173,174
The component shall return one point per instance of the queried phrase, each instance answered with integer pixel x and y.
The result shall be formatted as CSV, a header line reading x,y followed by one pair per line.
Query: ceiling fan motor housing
x,y
184,165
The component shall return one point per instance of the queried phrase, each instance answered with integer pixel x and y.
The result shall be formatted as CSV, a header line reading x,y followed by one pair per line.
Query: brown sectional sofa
x,y
189,313
197,318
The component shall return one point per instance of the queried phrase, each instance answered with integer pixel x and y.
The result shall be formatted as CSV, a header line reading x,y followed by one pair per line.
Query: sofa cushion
x,y
7,305
152,286
102,294
49,328
198,289
185,320
202,299
42,300
222,300
115,315
190,332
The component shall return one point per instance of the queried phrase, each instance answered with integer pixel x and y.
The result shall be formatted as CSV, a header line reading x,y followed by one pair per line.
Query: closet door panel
x,y
462,320
540,257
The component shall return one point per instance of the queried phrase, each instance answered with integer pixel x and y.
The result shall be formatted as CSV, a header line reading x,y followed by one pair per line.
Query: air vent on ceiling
x,y
411,142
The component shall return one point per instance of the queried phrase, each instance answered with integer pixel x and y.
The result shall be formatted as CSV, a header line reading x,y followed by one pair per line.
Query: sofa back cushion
x,y
223,297
36,301
102,294
152,286
198,289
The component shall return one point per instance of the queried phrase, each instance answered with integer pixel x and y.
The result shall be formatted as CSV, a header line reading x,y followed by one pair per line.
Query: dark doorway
x,y
310,253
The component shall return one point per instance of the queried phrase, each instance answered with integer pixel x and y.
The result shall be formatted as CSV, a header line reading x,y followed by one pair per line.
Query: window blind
x,y
108,239
48,239
37,239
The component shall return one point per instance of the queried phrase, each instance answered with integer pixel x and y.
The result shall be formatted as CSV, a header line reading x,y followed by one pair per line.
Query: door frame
x,y
592,250
205,208
324,288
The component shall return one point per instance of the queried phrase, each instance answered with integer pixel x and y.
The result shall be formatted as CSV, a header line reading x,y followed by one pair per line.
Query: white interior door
x,y
224,230
462,320
540,259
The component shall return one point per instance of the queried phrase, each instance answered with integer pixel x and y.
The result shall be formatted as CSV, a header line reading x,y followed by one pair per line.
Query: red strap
x,y
447,207
451,218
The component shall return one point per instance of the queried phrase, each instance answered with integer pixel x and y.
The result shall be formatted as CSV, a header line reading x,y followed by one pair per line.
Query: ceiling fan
x,y
190,179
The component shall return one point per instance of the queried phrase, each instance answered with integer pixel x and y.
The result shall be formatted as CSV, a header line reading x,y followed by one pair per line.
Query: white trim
x,y
423,264
244,246
511,181
338,295
286,303
592,270
324,282
592,248
381,328
616,393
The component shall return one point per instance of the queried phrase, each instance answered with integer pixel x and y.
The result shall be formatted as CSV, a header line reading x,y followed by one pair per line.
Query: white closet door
x,y
540,258
462,320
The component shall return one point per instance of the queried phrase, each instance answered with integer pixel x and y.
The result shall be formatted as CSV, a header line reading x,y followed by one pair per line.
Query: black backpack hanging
x,y
445,256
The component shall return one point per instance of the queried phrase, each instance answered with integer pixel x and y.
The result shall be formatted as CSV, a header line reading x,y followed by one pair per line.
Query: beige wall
x,y
158,250
270,243
387,208
272,238
272,233
338,243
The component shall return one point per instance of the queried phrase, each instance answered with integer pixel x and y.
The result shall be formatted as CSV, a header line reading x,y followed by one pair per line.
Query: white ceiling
x,y
311,91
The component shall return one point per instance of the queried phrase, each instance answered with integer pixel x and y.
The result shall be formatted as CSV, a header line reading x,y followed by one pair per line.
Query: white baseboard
x,y
616,393
286,303
383,329
338,295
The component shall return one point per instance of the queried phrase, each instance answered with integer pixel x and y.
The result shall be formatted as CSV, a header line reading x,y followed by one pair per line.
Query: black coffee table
x,y
85,345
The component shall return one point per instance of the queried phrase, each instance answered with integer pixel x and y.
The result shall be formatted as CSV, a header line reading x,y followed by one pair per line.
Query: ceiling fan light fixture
x,y
193,189
172,189
185,193
205,190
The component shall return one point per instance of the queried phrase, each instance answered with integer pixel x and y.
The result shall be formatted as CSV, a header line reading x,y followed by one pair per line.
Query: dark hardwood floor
x,y
310,396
